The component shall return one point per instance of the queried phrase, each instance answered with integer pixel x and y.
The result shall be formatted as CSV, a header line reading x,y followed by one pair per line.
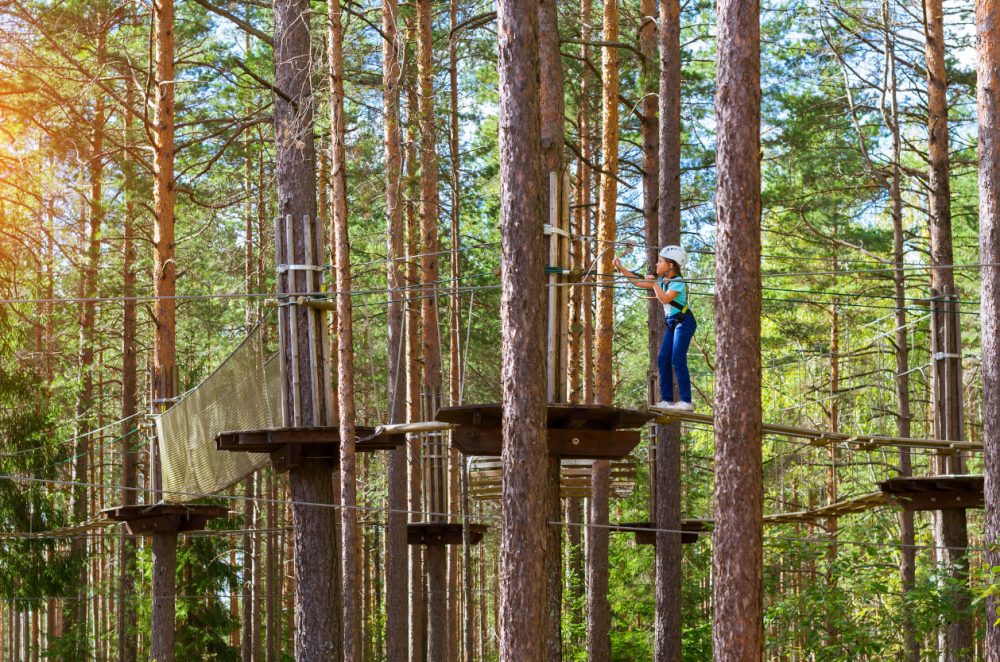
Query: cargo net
x,y
242,394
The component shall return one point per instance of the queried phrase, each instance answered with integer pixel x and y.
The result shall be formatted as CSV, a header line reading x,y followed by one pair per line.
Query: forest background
x,y
76,230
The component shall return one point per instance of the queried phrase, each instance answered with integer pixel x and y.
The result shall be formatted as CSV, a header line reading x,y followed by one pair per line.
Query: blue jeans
x,y
673,354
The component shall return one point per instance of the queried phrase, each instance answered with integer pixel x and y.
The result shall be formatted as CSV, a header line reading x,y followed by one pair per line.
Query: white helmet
x,y
675,253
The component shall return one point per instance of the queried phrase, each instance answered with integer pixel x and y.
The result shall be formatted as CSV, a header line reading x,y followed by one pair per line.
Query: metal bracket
x,y
937,356
282,268
548,228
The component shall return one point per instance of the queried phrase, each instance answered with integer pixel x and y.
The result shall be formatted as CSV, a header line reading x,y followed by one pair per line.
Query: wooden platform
x,y
442,533
288,447
935,492
825,437
693,530
146,519
574,431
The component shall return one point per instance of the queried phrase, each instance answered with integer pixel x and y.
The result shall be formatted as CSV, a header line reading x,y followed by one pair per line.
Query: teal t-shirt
x,y
677,285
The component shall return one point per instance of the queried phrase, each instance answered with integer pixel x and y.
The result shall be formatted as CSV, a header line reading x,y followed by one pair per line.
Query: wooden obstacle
x,y
846,507
486,474
442,533
148,519
645,532
826,437
288,447
935,492
591,432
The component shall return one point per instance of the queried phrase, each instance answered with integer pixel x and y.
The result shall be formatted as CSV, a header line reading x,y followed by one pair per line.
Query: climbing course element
x,y
242,394
574,431
935,492
825,437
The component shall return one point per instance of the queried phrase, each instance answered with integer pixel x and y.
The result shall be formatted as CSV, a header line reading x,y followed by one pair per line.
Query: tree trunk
x,y
988,114
950,532
161,647
522,213
456,463
598,609
737,550
306,377
418,604
397,609
351,531
435,485
553,137
665,231
907,556
127,608
313,531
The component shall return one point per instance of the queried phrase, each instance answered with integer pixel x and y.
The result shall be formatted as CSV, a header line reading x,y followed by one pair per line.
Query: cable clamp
x,y
548,228
937,356
282,268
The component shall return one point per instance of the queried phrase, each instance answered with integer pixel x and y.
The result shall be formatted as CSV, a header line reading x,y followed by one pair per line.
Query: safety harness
x,y
683,309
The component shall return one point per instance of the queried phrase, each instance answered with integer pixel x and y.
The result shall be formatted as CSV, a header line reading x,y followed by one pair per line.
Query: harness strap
x,y
673,302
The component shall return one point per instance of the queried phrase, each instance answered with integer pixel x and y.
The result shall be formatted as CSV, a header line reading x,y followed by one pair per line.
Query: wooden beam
x,y
583,444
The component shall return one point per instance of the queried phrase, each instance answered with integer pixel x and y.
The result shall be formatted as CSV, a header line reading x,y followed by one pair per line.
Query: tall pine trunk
x,y
396,607
988,107
737,550
523,534
350,547
667,642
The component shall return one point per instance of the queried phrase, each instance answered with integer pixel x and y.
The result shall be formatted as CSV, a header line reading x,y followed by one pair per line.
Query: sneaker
x,y
679,406
663,404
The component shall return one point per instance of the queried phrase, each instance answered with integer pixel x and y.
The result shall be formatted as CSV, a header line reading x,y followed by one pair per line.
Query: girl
x,y
671,290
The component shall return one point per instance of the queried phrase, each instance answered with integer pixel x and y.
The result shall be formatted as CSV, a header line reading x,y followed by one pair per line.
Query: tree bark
x,y
455,461
397,609
553,138
161,646
523,535
313,531
950,533
598,609
988,114
664,231
435,486
737,550
351,531
127,608
907,556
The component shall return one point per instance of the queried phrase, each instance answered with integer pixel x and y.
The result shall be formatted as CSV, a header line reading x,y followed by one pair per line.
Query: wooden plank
x,y
825,437
583,444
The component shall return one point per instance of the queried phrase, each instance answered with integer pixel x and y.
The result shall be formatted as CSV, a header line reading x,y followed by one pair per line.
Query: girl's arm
x,y
644,283
662,295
